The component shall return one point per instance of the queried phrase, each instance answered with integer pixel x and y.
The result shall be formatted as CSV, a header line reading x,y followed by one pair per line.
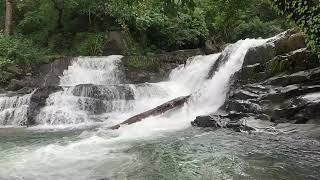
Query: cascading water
x,y
13,109
93,93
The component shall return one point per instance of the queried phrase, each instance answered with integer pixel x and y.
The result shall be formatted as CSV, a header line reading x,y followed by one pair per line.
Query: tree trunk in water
x,y
8,18
154,112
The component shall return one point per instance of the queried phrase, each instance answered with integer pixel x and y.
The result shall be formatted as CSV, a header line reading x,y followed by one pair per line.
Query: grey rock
x,y
231,121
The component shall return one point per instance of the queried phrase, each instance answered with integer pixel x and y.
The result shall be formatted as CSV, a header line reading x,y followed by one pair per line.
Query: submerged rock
x,y
230,121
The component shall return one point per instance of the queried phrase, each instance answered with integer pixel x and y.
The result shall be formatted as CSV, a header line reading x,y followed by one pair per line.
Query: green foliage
x,y
89,44
19,51
306,14
76,27
276,66
143,62
231,20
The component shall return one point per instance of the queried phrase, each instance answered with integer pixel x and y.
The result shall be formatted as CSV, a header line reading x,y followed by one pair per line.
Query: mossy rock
x,y
277,65
295,61
253,73
142,63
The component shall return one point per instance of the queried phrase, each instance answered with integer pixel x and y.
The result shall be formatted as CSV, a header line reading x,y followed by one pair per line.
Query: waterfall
x,y
13,109
93,92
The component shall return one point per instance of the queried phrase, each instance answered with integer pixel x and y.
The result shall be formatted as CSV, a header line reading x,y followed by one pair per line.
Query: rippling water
x,y
188,154
72,141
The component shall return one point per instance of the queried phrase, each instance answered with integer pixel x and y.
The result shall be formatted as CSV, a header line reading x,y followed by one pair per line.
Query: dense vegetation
x,y
307,16
78,27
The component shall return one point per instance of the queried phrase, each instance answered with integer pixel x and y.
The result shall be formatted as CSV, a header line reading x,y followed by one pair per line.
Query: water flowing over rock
x,y
13,109
266,79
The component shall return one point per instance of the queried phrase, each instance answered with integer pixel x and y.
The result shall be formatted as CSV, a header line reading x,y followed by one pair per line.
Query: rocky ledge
x,y
279,84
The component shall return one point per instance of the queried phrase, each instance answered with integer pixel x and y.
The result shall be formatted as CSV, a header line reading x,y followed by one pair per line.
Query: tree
x,y
59,6
306,14
8,18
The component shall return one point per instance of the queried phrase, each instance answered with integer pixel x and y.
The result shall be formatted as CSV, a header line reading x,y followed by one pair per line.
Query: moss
x,y
277,66
143,63
50,58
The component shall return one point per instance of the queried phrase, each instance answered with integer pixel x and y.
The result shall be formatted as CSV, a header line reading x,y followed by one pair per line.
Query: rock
x,y
41,75
298,110
242,94
154,112
102,92
210,47
155,68
310,77
259,54
14,69
243,106
38,101
292,62
282,93
231,121
49,74
15,84
286,42
290,41
251,73
116,44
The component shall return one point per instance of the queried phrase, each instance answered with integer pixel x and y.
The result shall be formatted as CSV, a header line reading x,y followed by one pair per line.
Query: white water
x,y
13,110
92,70
75,160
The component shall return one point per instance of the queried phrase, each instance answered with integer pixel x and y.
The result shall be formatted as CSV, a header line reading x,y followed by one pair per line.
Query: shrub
x,y
18,50
89,44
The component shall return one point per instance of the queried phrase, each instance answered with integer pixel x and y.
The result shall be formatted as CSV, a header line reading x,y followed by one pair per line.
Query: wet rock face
x,y
260,54
110,92
42,75
155,68
49,74
299,110
279,82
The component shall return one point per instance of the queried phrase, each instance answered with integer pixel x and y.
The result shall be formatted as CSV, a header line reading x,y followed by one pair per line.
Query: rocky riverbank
x,y
279,83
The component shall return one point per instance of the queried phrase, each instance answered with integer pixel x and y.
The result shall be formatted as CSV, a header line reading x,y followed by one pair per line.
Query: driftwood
x,y
154,112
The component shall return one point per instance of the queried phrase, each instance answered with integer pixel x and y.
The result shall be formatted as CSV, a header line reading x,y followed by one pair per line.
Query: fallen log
x,y
154,112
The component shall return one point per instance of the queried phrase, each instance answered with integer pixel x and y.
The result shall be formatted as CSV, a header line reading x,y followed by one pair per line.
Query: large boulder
x,y
259,54
289,41
286,42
